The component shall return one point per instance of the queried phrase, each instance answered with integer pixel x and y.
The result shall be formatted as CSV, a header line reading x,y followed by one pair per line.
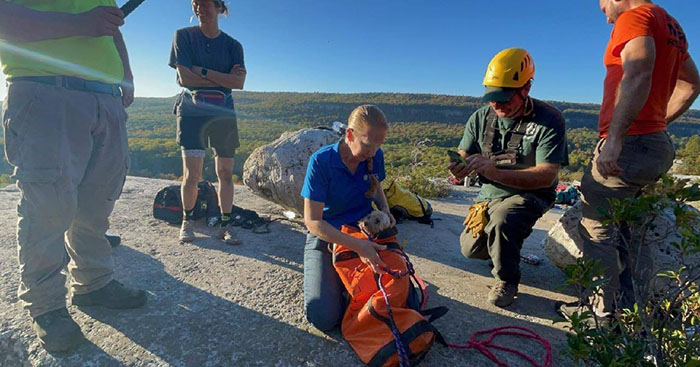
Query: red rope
x,y
483,346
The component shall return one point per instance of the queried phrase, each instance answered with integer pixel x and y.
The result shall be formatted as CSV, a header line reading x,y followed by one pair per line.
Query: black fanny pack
x,y
209,97
203,102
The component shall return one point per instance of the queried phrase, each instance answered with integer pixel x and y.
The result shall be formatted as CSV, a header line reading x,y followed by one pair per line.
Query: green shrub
x,y
662,329
423,172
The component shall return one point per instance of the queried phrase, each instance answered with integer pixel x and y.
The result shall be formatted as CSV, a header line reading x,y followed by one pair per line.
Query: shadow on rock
x,y
183,325
441,244
463,320
283,246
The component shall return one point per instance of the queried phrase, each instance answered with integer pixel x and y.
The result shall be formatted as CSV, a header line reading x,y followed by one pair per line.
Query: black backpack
x,y
167,205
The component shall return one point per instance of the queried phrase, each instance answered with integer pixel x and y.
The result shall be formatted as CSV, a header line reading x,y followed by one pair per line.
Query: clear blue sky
x,y
413,46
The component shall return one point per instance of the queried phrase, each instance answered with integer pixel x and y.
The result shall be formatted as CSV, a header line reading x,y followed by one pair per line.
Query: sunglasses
x,y
217,3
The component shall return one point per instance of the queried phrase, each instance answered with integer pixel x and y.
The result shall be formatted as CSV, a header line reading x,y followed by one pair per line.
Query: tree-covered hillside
x,y
435,120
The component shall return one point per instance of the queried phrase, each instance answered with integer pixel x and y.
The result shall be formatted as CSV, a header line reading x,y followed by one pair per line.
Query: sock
x,y
225,219
189,214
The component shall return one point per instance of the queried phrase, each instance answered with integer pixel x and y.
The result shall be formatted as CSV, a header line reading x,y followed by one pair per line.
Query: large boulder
x,y
564,245
276,171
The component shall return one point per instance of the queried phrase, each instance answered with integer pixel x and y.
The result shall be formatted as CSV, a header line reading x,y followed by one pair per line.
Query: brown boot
x,y
502,294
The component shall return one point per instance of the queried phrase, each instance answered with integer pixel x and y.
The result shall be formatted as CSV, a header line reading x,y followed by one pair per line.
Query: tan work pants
x,y
70,153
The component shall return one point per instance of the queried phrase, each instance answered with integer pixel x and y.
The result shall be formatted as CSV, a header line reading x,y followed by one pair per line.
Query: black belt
x,y
73,83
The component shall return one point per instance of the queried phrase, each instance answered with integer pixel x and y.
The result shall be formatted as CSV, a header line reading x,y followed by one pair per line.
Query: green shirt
x,y
92,58
544,142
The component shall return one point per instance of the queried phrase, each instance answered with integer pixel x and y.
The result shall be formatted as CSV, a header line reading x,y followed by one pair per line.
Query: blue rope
x,y
401,349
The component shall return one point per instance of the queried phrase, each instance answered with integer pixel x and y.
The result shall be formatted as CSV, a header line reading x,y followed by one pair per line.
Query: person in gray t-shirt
x,y
209,65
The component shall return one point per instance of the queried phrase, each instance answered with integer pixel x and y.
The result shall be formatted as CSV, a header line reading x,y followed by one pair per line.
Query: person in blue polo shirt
x,y
341,182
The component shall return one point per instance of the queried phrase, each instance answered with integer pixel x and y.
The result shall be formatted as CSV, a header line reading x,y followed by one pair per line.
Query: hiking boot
x,y
114,295
187,231
57,332
502,294
565,310
227,234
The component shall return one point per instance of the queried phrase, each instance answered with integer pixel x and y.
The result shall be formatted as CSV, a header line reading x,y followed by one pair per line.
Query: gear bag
x,y
378,324
406,204
167,205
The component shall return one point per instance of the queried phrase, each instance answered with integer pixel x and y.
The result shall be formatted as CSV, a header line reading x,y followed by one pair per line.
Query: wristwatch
x,y
204,72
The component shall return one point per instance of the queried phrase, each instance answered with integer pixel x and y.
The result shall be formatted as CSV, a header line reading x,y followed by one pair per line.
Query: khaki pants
x,y
70,154
510,222
644,158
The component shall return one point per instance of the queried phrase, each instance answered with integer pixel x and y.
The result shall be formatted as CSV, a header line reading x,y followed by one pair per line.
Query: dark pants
x,y
644,158
510,222
324,293
220,133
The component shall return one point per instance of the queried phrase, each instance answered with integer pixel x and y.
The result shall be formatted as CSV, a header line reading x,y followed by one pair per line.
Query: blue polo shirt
x,y
328,180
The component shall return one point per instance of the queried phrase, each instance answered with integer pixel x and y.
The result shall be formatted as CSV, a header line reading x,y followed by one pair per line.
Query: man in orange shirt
x,y
651,80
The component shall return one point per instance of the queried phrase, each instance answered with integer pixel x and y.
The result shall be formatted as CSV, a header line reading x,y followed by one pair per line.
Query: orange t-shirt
x,y
671,52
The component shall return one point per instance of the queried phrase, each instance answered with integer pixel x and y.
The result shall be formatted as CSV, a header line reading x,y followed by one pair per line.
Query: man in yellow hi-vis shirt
x,y
69,82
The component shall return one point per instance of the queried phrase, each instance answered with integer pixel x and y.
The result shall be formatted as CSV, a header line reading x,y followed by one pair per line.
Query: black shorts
x,y
220,133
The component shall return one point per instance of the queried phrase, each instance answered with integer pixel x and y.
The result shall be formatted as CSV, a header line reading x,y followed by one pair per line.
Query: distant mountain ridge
x,y
263,116
324,108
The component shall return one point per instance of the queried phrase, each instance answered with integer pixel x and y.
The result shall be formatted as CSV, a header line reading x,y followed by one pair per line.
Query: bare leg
x,y
192,174
224,172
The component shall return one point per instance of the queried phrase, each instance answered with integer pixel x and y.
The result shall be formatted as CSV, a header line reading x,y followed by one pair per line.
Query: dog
x,y
374,223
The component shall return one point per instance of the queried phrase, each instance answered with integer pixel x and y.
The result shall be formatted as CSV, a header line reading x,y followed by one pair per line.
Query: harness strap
x,y
423,290
489,134
516,137
433,314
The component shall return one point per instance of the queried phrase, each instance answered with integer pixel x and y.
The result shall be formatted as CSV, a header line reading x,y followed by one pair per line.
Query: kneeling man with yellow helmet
x,y
516,145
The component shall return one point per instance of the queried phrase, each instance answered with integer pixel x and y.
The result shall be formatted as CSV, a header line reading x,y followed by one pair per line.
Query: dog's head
x,y
374,222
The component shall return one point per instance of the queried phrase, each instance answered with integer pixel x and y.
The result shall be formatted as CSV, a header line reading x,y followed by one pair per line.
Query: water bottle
x,y
212,221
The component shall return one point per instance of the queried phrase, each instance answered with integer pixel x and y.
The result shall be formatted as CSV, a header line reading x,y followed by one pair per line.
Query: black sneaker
x,y
57,332
114,295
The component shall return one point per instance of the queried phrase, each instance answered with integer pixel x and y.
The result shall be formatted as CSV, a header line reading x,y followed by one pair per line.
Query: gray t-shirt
x,y
192,47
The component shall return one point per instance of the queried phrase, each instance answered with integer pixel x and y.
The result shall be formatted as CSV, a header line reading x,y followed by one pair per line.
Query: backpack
x,y
370,324
566,194
406,204
167,205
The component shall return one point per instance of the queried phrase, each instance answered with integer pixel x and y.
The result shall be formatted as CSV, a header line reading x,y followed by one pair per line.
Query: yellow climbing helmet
x,y
509,70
